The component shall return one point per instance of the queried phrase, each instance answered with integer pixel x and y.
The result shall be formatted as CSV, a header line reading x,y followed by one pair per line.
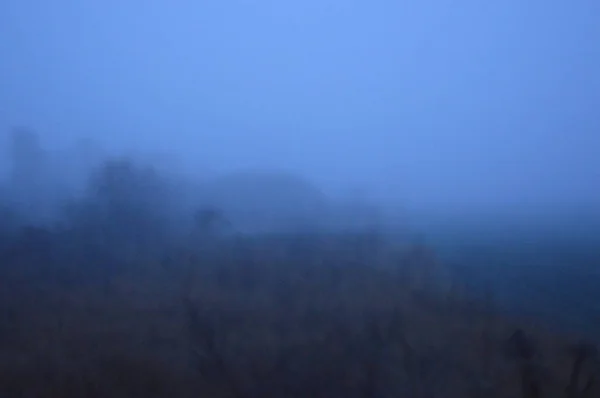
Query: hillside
x,y
327,315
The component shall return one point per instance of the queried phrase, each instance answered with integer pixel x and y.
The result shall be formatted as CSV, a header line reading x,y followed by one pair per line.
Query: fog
x,y
434,107
299,198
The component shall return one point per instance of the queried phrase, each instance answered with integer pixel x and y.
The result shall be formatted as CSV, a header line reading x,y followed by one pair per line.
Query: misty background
x,y
437,107
303,162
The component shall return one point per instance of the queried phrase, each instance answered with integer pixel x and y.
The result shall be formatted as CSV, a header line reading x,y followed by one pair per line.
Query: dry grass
x,y
338,316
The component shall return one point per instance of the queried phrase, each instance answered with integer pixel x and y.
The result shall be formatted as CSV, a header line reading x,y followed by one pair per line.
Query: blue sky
x,y
430,102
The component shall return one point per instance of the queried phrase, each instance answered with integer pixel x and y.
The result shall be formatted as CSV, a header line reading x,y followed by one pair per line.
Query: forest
x,y
119,279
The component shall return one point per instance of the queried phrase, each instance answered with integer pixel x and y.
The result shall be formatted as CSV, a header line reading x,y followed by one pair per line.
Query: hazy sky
x,y
429,101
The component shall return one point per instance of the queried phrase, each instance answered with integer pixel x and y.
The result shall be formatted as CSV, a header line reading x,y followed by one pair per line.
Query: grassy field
x,y
345,315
